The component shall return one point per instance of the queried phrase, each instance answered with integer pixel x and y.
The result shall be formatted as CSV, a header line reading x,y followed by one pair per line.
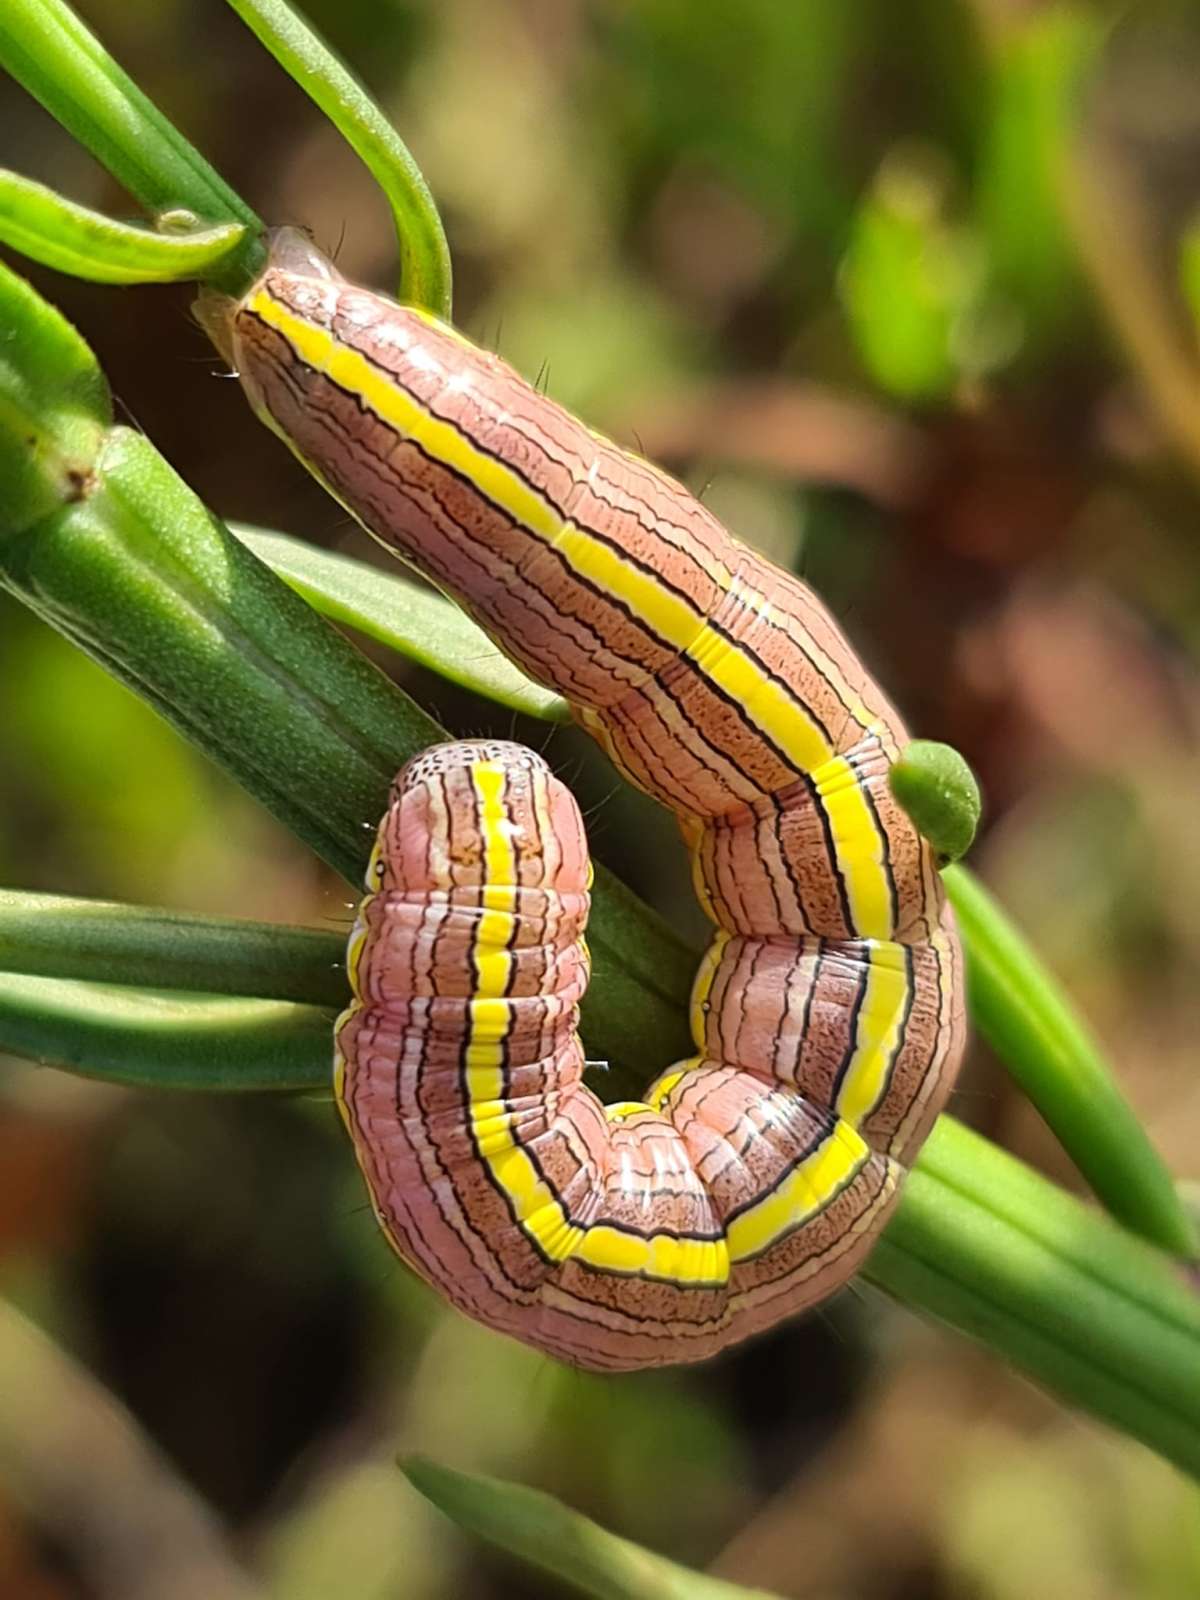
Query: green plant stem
x,y
424,257
48,228
100,941
46,47
1020,1010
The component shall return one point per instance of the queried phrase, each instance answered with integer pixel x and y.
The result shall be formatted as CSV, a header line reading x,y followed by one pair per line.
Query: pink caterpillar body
x,y
828,1012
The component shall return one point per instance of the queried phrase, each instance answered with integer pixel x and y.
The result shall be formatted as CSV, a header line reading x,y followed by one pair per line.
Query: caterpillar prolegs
x,y
828,1012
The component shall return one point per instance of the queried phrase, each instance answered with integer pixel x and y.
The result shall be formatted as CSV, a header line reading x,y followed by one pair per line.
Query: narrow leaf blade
x,y
419,623
153,1039
47,227
541,1530
104,941
1021,1011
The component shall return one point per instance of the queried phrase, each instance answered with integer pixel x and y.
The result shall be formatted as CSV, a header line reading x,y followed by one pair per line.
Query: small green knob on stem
x,y
939,792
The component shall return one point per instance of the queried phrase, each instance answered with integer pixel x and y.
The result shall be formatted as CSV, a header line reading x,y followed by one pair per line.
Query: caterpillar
x,y
827,1014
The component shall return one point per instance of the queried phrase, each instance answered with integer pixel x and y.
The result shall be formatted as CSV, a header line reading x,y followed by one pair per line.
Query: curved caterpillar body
x,y
828,1011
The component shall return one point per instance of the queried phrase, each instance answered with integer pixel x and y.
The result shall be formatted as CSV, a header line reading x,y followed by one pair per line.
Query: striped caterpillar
x,y
828,1011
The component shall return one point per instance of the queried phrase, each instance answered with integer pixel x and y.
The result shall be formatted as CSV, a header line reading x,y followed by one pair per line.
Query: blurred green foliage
x,y
913,287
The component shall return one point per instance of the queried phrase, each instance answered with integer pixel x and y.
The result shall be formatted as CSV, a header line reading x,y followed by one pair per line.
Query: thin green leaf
x,y
46,47
48,228
1021,1011
990,1247
54,407
1189,271
101,941
418,622
424,256
158,1040
547,1534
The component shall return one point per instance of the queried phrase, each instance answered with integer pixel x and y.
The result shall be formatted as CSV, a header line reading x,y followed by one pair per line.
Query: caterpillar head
x,y
290,253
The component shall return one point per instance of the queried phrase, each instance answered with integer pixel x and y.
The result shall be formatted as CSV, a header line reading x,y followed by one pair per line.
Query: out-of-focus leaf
x,y
67,1443
547,1534
913,286
1038,63
785,67
1189,271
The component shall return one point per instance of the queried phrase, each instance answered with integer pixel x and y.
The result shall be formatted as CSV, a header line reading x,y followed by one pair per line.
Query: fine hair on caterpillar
x,y
751,1179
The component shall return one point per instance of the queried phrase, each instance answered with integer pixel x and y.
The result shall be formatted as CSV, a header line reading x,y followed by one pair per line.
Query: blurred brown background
x,y
911,293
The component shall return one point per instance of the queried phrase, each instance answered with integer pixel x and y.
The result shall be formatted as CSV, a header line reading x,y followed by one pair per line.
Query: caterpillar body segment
x,y
613,1237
